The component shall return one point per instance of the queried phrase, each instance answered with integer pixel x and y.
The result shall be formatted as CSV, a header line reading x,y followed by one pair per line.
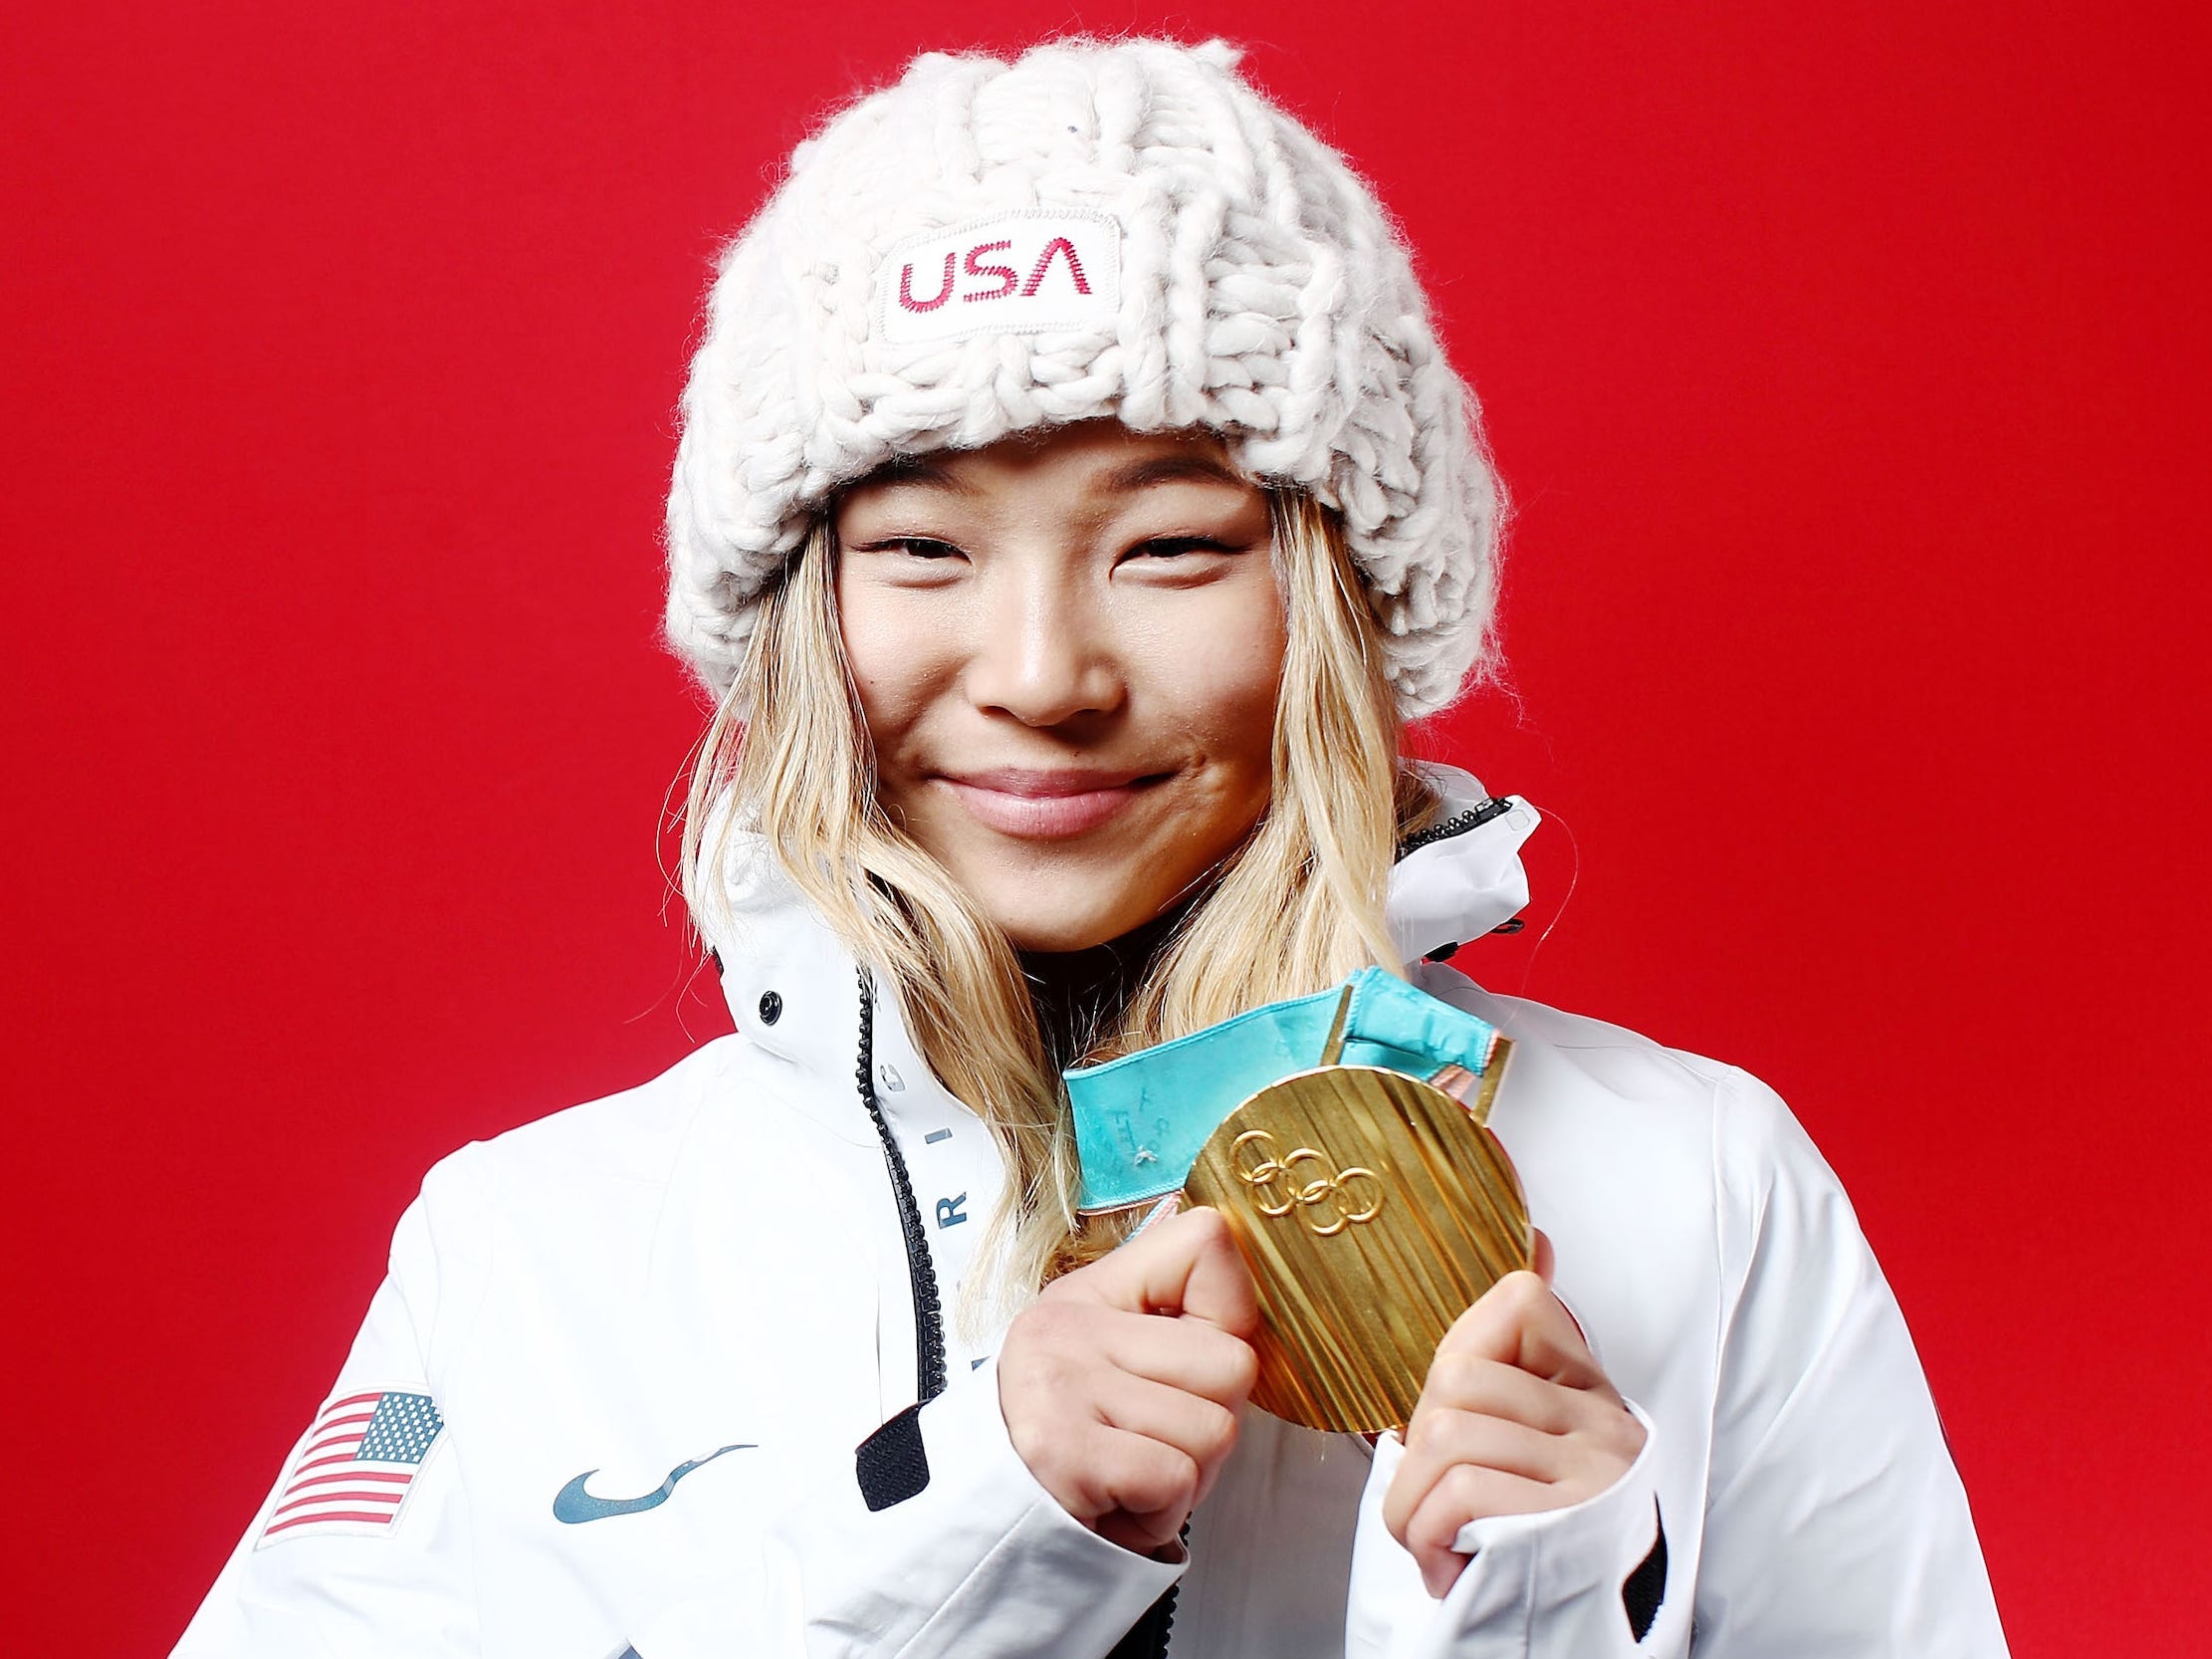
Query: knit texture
x,y
1121,229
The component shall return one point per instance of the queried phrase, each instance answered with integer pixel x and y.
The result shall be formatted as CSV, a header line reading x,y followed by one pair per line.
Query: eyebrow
x,y
921,471
1168,469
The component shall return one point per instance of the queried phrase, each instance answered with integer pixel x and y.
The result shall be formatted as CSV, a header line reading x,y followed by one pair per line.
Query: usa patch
x,y
354,1470
1025,272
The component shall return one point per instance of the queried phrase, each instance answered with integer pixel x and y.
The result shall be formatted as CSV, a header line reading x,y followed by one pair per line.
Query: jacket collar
x,y
1466,876
793,989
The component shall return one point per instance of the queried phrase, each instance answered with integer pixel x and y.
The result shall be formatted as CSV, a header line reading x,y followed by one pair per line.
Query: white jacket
x,y
624,1356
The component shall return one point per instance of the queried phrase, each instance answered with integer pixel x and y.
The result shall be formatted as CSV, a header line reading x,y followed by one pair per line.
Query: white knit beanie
x,y
1118,229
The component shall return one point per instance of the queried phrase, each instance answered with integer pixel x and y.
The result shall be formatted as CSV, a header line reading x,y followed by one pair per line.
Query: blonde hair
x,y
1297,906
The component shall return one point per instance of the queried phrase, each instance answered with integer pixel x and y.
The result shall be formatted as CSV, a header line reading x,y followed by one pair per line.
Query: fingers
x,y
1543,1257
1201,1430
1138,1469
1516,1416
1144,1534
1060,1349
1123,1415
1536,1449
1147,1485
1588,1428
1466,1493
1130,1486
1186,1264
1489,1414
1441,1443
1474,1382
1520,1323
1185,1353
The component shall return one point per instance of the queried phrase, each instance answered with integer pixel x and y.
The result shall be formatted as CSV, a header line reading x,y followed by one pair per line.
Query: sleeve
x,y
1835,1524
1570,1584
361,1547
934,1541
1834,1521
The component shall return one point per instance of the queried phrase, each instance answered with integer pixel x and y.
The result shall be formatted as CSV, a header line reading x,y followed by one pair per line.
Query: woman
x,y
1072,505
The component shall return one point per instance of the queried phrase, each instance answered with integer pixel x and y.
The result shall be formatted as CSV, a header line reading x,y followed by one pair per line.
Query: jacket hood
x,y
1462,878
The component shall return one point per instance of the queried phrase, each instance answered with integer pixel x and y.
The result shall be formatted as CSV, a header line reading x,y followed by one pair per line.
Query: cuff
x,y
938,1540
1587,1580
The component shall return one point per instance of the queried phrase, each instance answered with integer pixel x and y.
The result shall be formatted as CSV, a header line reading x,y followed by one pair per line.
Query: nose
x,y
1047,653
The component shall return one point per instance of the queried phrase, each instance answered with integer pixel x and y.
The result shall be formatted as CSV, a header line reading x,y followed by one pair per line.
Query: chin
x,y
1033,926
1060,933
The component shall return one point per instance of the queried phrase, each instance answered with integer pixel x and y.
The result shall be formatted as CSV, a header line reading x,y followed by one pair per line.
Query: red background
x,y
1848,366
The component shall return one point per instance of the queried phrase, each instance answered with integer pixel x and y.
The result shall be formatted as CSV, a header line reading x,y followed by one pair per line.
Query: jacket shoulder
x,y
1608,1099
1611,1058
1608,1104
632,1134
548,1198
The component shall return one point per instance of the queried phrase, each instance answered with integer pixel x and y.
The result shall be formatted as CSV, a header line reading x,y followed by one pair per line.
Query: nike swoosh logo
x,y
572,1505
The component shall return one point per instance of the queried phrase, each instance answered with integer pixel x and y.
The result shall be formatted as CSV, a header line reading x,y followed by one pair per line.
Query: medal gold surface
x,y
1373,1209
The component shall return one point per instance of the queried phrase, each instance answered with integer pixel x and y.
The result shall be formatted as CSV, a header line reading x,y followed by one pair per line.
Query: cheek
x,y
1217,670
887,648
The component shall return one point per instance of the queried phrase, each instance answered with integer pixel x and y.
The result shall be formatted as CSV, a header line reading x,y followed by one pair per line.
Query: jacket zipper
x,y
921,1273
1148,1637
1456,824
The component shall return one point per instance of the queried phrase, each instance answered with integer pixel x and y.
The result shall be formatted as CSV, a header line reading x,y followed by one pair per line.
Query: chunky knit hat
x,y
1118,229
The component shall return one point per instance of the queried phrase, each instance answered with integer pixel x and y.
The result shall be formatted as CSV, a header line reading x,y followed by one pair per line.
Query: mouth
x,y
1046,804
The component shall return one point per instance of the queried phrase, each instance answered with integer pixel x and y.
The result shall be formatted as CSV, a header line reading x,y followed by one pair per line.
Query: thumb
x,y
1543,1261
1185,1263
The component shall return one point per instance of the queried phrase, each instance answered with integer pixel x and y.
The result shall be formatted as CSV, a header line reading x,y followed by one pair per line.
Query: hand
x,y
1120,1384
1515,1417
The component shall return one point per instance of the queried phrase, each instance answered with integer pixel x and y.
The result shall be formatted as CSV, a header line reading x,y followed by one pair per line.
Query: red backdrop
x,y
1847,363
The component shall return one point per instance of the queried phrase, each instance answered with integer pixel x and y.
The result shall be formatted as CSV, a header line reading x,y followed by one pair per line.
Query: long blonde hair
x,y
1296,907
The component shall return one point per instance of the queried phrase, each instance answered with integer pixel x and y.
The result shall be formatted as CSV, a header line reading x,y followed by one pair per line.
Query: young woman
x,y
1072,506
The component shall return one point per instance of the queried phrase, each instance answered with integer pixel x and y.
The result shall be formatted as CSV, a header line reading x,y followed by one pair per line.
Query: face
x,y
1067,649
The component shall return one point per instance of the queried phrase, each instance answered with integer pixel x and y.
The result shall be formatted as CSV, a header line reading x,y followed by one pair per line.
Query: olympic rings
x,y
1352,1195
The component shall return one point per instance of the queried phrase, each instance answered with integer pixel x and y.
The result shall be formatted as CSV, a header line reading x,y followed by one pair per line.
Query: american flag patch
x,y
356,1466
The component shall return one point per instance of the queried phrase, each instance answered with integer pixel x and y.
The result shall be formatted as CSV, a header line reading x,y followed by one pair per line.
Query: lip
x,y
1046,804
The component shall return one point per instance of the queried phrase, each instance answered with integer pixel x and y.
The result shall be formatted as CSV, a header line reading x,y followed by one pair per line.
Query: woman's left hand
x,y
1515,1417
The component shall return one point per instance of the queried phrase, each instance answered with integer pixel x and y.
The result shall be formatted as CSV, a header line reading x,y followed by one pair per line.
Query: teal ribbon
x,y
1141,1120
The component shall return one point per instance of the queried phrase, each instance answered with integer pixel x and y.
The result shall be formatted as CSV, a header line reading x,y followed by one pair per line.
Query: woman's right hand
x,y
1120,1383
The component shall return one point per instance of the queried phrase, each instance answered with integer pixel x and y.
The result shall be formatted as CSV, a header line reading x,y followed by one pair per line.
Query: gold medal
x,y
1373,1209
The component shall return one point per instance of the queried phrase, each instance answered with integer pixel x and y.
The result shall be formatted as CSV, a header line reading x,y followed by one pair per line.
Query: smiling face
x,y
1067,649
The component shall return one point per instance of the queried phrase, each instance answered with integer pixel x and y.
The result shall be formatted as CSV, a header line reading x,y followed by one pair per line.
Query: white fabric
x,y
901,293
715,1258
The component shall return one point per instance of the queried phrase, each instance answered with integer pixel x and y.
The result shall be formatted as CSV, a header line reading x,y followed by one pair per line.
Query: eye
x,y
915,546
1176,546
910,562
